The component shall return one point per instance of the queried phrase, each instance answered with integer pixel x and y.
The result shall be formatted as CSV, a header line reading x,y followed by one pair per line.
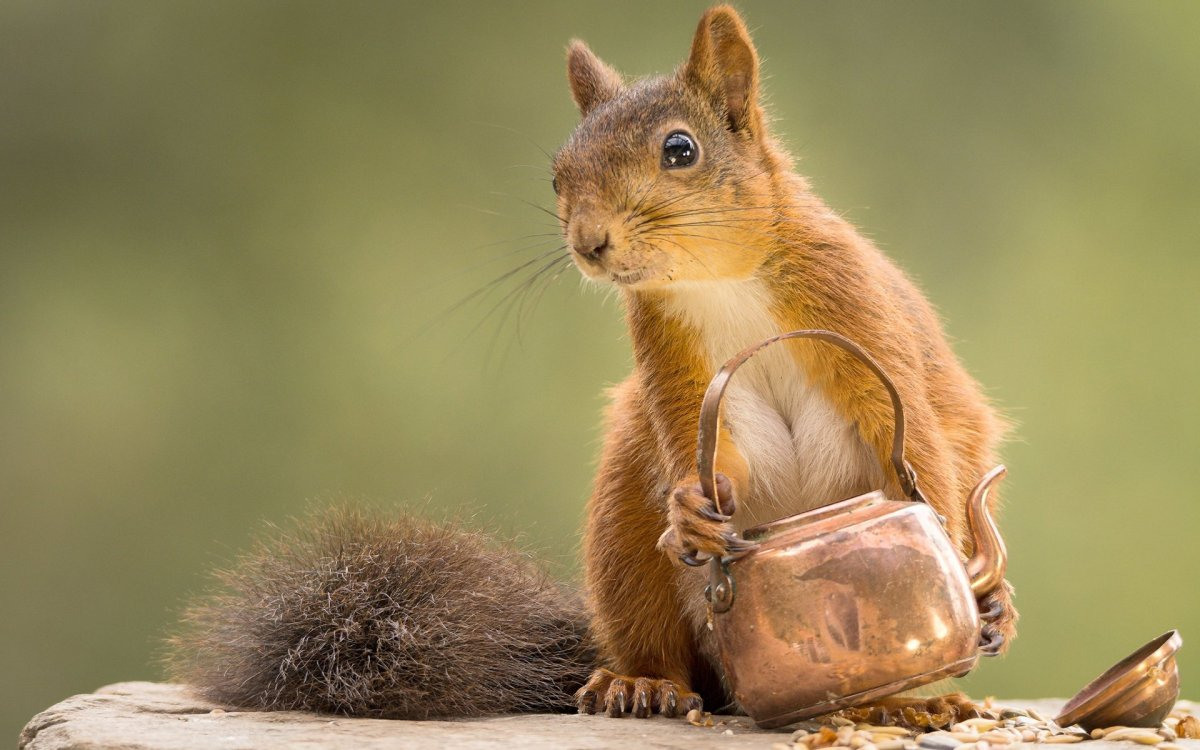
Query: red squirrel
x,y
672,189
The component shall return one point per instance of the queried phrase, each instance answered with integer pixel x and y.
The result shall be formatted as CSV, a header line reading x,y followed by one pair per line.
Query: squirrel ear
x,y
724,65
592,81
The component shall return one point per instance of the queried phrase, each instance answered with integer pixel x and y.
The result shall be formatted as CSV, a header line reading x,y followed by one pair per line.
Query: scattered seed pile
x,y
1006,726
999,729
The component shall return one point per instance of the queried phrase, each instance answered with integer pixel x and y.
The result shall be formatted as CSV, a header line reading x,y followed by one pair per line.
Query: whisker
x,y
699,190
645,194
561,221
658,233
489,287
525,136
513,300
546,282
729,210
683,248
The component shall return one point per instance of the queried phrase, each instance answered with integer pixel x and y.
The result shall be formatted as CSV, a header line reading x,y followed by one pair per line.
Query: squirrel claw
x,y
994,610
616,706
735,544
991,641
696,530
999,620
585,701
639,697
713,515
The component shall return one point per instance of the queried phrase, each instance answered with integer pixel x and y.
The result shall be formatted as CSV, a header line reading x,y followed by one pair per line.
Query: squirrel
x,y
672,190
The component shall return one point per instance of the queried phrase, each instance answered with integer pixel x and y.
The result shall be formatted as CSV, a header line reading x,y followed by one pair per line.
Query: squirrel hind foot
x,y
642,697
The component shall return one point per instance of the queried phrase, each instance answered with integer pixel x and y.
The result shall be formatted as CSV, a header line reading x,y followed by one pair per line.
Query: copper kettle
x,y
852,601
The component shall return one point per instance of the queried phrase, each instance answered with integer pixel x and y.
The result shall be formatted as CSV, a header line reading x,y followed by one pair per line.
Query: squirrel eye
x,y
679,150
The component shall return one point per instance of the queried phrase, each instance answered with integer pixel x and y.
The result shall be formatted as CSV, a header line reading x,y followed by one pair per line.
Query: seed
x,y
1169,746
1102,732
896,731
1028,735
824,738
1167,733
998,737
1061,739
1147,738
938,741
891,745
1188,728
1133,734
981,724
840,721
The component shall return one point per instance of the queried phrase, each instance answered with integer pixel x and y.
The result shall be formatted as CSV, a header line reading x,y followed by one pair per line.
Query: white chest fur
x,y
801,453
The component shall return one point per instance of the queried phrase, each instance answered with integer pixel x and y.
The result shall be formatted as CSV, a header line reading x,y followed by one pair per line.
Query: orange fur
x,y
742,218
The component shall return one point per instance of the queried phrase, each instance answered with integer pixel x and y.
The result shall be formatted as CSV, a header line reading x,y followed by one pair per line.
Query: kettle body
x,y
851,601
842,605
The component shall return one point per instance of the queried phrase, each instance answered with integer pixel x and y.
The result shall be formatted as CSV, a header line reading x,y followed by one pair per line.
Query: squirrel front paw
x,y
999,619
696,530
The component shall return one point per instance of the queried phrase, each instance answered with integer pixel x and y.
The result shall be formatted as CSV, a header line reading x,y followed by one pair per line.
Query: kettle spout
x,y
986,567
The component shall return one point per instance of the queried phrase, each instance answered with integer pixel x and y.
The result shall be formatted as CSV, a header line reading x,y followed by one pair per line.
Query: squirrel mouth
x,y
628,278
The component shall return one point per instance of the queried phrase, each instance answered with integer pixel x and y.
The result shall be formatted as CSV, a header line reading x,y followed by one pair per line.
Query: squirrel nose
x,y
591,245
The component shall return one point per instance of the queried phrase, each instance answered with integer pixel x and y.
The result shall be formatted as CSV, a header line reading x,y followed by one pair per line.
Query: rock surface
x,y
137,715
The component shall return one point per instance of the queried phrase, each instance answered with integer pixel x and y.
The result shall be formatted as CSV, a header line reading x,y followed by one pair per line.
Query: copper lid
x,y
1138,691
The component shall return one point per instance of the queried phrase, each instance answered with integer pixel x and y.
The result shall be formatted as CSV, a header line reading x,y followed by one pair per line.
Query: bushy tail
x,y
350,612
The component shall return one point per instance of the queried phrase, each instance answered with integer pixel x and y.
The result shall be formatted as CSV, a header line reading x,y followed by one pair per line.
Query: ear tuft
x,y
723,65
592,80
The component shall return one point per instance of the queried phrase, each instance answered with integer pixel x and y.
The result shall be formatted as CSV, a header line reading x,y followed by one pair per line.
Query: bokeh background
x,y
233,235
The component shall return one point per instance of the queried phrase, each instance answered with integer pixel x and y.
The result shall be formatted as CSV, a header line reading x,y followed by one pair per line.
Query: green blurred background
x,y
230,234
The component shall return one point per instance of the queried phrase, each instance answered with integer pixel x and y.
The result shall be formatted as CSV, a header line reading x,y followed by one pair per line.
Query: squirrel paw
x,y
618,695
999,620
695,531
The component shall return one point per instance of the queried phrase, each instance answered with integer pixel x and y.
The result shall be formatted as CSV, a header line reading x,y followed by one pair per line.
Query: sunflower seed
x,y
938,741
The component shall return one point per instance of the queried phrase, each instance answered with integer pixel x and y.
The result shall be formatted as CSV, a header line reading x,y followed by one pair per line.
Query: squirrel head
x,y
670,179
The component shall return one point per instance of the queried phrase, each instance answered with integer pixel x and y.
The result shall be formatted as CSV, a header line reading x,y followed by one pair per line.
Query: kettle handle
x,y
710,412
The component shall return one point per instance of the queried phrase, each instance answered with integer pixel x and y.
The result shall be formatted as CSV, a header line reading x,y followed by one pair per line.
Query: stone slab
x,y
155,716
